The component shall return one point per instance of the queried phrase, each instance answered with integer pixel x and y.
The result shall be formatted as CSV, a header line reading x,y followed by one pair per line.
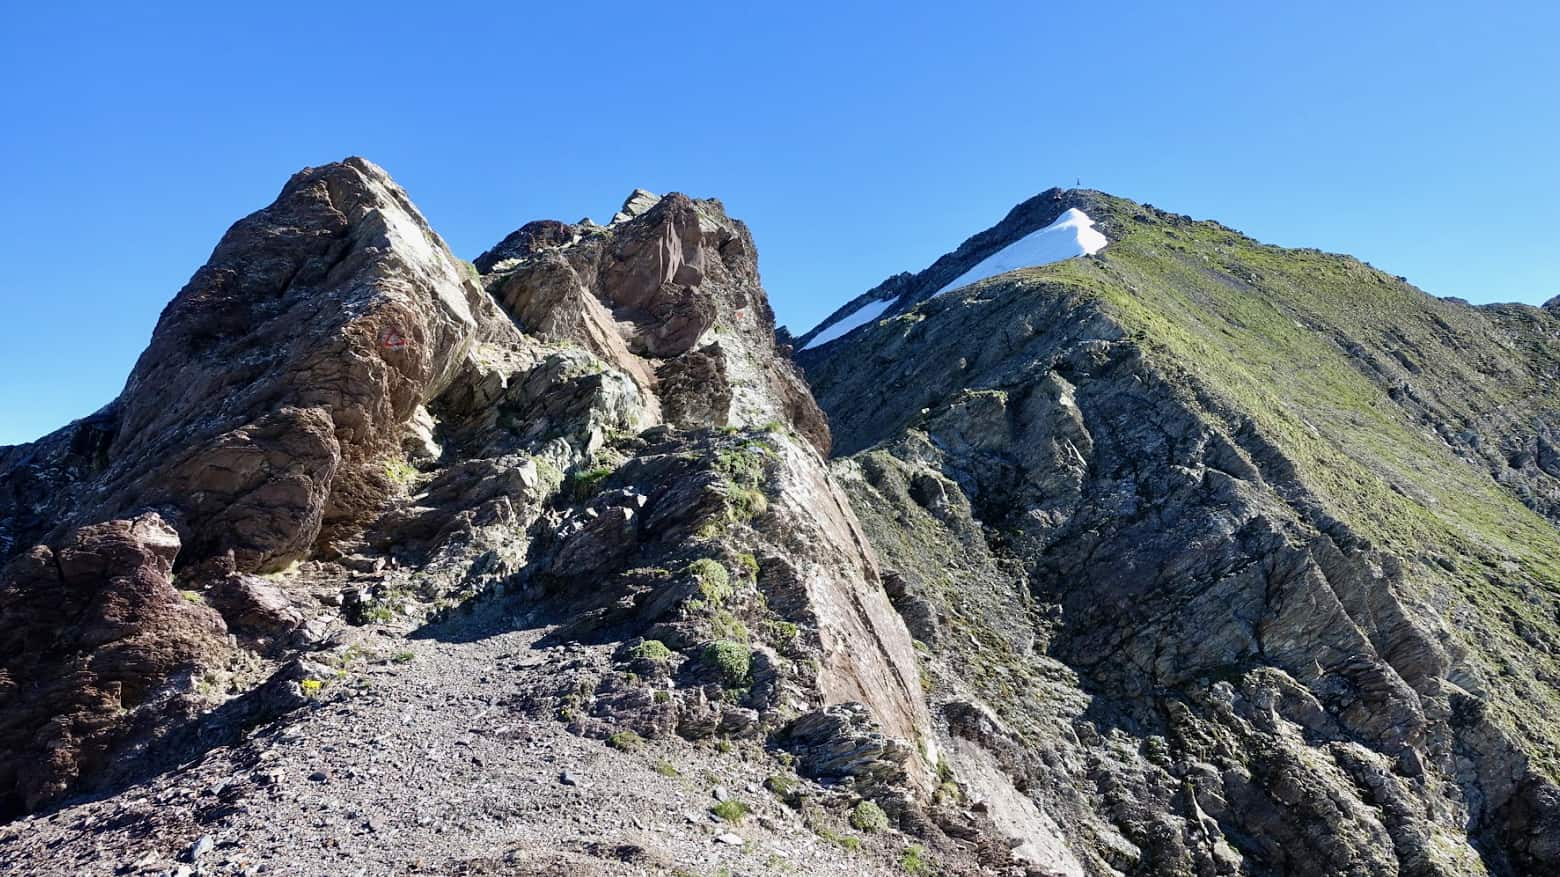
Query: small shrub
x,y
311,687
745,503
749,564
849,843
744,465
550,476
915,861
781,631
714,581
399,472
402,657
666,768
662,696
868,817
625,741
585,483
730,810
651,649
731,659
781,784
193,597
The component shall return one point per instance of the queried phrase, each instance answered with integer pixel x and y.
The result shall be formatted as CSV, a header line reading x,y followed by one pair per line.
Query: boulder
x,y
93,635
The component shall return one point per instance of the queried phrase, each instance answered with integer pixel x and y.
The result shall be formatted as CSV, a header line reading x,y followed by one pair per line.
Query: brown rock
x,y
646,295
251,604
91,632
278,383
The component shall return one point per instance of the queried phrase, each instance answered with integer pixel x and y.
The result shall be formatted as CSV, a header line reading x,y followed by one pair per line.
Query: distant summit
x,y
1056,224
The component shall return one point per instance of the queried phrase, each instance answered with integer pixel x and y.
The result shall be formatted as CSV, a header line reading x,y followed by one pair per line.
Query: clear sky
x,y
856,139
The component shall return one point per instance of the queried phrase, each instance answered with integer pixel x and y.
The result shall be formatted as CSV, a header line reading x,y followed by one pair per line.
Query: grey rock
x,y
202,845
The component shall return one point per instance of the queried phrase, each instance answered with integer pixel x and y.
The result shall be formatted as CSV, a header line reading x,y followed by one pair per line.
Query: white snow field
x,y
863,315
1072,234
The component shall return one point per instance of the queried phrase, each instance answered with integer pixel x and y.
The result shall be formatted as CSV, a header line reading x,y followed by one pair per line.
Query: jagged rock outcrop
x,y
91,631
278,383
1213,541
342,427
261,423
1193,556
669,295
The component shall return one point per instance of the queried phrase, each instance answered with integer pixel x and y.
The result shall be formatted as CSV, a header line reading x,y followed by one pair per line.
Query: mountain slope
x,y
1279,527
1174,553
363,507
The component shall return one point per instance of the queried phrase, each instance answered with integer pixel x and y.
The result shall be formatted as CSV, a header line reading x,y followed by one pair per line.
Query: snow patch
x,y
1072,234
867,313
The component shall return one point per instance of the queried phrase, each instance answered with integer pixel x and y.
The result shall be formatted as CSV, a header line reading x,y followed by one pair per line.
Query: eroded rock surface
x,y
351,435
93,634
1127,506
1194,556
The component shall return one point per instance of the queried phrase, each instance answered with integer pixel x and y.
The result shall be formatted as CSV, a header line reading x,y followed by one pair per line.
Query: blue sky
x,y
855,142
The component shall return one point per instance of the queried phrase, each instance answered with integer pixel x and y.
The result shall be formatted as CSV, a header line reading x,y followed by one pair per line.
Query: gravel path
x,y
416,763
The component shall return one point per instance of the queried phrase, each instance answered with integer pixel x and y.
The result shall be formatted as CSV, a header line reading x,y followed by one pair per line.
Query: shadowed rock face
x,y
90,632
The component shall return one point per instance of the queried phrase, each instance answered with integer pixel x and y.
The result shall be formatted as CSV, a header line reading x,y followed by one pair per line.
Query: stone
x,y
202,845
250,604
97,627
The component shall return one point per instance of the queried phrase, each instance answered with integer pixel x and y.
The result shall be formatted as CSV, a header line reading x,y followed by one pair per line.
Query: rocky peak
x,y
638,201
669,294
1553,304
527,241
1110,449
304,346
339,432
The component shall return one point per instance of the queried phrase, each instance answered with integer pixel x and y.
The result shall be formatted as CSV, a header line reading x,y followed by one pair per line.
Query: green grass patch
x,y
625,741
586,483
730,810
714,582
916,861
651,649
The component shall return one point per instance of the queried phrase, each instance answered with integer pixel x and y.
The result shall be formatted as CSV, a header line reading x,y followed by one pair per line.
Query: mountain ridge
x,y
1360,417
1190,556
